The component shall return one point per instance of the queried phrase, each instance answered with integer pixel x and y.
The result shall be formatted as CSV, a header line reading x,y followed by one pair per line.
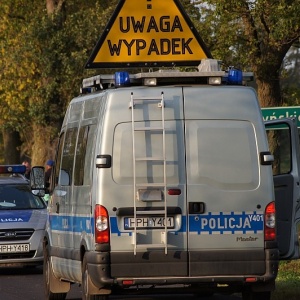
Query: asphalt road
x,y
27,284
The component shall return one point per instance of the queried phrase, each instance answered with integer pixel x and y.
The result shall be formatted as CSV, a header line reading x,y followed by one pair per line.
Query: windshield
x,y
14,197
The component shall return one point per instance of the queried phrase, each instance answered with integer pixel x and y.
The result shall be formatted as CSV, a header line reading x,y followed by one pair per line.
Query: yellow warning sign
x,y
148,33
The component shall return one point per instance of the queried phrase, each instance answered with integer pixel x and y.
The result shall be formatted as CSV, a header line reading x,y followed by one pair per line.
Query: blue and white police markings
x,y
15,216
227,223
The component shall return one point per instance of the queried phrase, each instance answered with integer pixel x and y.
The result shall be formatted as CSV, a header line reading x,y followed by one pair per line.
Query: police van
x,y
23,215
164,179
169,184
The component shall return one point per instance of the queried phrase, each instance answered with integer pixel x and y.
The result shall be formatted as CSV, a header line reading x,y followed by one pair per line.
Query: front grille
x,y
11,235
29,254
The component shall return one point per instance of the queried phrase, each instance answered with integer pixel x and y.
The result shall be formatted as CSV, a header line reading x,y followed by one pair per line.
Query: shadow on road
x,y
4,271
27,284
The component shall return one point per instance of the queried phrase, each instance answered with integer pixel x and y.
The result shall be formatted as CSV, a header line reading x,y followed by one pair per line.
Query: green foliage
x,y
14,59
288,281
42,58
61,51
254,33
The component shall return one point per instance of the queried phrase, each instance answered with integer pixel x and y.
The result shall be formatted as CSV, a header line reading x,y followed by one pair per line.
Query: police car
x,y
22,219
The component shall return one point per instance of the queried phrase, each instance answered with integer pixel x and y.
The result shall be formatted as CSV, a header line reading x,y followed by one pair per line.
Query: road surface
x,y
27,284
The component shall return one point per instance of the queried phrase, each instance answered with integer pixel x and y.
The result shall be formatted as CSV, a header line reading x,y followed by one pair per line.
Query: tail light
x,y
270,222
101,225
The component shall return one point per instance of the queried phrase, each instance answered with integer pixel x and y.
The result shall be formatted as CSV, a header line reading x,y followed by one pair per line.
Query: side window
x,y
280,144
86,137
80,155
68,155
58,160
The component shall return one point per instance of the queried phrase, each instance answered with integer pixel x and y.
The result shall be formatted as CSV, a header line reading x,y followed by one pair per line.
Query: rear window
x,y
14,197
222,153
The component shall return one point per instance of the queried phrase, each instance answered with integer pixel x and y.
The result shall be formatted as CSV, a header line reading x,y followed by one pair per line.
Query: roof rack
x,y
209,68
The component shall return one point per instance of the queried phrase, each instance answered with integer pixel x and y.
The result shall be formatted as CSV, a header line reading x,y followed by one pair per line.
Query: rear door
x,y
150,249
227,186
283,138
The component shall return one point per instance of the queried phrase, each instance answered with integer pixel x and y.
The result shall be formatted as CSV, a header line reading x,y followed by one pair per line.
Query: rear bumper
x,y
113,270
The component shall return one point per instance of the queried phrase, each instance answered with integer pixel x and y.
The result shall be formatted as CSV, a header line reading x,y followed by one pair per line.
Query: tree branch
x,y
54,6
250,27
18,17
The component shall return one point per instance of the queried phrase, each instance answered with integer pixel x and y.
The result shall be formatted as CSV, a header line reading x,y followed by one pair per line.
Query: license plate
x,y
148,222
14,248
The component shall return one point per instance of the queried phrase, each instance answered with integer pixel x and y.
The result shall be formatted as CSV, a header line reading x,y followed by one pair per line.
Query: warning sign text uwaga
x,y
149,25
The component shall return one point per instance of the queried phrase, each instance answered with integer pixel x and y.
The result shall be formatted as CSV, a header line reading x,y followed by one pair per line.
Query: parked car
x,y
23,217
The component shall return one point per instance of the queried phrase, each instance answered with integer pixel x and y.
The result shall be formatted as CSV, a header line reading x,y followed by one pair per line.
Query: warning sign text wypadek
x,y
148,33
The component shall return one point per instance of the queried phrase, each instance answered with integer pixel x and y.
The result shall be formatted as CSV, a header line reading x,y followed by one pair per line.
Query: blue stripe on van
x,y
227,223
77,224
114,226
69,223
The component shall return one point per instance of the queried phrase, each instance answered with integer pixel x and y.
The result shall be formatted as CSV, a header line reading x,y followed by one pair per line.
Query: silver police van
x,y
164,179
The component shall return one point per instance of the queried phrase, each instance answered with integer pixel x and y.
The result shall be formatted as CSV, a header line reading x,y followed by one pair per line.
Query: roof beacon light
x,y
209,65
235,76
122,79
10,169
150,81
215,80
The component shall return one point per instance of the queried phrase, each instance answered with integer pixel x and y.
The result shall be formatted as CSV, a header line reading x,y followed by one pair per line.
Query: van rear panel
x,y
215,197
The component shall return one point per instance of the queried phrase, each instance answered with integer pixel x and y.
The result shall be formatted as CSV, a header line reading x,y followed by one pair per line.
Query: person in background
x,y
48,172
28,168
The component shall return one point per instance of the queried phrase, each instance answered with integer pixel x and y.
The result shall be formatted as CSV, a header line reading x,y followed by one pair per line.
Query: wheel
x,y
87,285
51,281
250,295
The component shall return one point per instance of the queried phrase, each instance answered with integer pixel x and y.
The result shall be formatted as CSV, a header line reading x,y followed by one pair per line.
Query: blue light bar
x,y
122,79
235,77
10,169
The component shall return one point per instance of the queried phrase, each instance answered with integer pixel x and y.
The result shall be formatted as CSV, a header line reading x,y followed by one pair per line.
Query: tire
x,y
48,276
250,295
86,282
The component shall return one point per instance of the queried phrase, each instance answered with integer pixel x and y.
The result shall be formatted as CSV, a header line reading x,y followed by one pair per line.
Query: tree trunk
x,y
11,146
269,93
44,143
41,150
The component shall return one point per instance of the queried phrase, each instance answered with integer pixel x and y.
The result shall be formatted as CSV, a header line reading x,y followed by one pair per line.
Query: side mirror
x,y
37,178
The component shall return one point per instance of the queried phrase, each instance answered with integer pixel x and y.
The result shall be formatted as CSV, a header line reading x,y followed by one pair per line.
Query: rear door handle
x,y
196,207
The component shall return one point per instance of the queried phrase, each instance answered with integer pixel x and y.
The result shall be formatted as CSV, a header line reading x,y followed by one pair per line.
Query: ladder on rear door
x,y
135,104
